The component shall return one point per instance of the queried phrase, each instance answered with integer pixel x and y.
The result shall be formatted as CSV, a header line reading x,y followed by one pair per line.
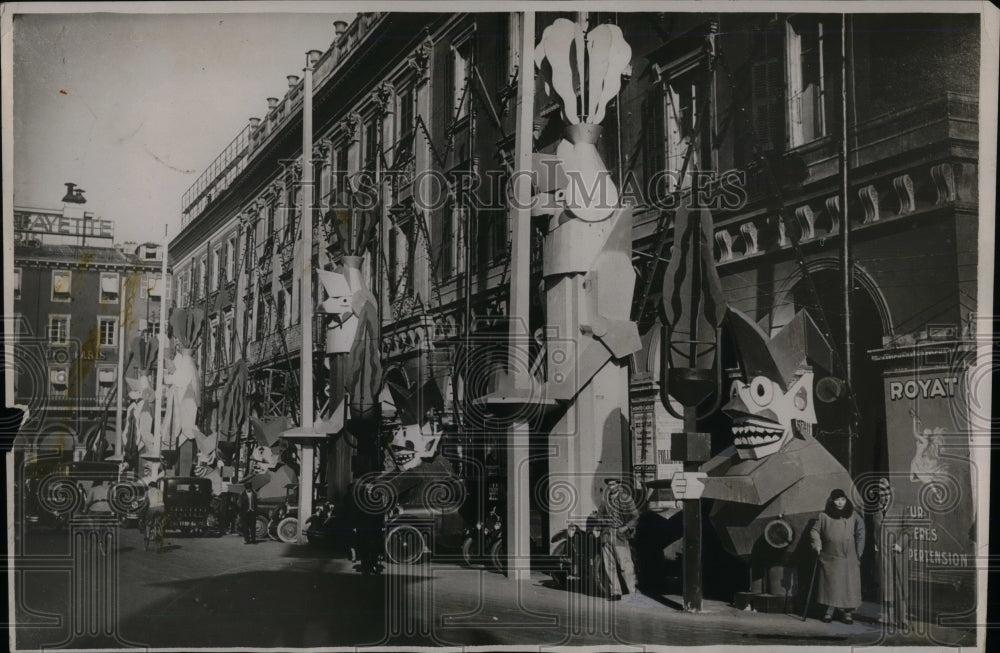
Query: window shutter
x,y
767,90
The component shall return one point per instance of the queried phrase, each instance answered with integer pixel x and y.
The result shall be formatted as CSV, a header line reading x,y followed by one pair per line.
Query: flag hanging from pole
x,y
233,409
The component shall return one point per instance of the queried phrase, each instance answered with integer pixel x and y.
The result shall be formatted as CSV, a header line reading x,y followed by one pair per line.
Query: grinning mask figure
x,y
774,400
763,413
411,446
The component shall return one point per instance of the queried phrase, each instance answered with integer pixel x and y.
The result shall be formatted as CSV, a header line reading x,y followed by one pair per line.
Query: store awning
x,y
106,376
154,286
109,285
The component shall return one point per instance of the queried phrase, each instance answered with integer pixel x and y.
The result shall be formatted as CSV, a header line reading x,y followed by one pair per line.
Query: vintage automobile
x,y
55,489
187,503
425,519
484,543
283,520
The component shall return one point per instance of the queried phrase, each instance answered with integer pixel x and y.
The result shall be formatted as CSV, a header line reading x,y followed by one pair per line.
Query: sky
x,y
133,107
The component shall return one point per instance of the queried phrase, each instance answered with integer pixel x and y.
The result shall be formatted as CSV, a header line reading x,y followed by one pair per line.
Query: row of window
x,y
381,145
59,329
110,284
59,376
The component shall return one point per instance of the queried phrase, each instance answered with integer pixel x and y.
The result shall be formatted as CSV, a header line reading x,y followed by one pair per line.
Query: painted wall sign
x,y
931,473
929,388
40,223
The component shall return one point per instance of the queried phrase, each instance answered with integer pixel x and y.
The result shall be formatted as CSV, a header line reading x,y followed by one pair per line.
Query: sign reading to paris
x,y
931,472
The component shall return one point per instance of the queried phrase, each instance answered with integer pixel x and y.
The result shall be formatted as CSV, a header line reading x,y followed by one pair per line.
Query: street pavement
x,y
218,592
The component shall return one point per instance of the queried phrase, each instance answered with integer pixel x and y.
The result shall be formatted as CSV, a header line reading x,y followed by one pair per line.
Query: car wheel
x,y
288,530
261,527
498,556
404,545
467,555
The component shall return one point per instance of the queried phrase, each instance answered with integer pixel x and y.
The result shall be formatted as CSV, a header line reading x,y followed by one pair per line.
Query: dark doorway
x,y
868,453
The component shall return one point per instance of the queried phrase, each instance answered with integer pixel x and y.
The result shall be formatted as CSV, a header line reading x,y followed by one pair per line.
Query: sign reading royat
x,y
930,471
60,225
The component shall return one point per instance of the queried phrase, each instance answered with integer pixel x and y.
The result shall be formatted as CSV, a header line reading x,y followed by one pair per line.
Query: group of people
x,y
838,538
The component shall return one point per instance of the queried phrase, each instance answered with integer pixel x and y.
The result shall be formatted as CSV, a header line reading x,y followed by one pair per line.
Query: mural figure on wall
x,y
776,476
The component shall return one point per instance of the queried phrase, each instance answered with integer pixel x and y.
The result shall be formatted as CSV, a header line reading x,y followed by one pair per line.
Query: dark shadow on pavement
x,y
281,609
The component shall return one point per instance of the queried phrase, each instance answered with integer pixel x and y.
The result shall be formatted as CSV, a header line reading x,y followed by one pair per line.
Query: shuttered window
x,y
767,83
109,287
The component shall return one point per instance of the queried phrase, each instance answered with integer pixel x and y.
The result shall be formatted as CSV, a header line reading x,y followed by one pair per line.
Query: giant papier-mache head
x,y
774,400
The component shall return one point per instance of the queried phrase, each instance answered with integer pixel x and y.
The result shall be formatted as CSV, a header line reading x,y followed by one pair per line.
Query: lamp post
x,y
690,371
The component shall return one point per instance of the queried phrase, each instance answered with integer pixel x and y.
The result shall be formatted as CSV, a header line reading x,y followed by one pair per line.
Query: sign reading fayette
x,y
931,473
60,225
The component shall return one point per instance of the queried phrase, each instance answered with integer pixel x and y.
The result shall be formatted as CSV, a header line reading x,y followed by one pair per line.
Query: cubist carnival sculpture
x,y
775,477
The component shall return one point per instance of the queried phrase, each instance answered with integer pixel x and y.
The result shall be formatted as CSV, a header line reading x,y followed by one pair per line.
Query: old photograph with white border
x,y
498,326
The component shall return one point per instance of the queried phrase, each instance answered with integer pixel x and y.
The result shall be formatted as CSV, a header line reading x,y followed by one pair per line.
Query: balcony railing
x,y
217,177
275,344
233,159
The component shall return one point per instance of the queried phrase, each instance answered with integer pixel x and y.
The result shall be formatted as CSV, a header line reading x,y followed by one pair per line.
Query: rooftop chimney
x,y
292,81
271,103
339,27
73,194
254,123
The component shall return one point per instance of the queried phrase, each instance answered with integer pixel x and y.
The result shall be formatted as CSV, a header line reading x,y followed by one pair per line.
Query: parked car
x,y
484,542
425,519
283,520
55,490
187,504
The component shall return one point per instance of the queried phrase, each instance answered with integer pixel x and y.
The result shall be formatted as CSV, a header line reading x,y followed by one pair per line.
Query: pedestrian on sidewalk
x,y
889,567
618,516
838,537
248,514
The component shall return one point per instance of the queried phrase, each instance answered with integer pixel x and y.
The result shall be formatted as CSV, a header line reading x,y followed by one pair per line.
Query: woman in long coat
x,y
838,536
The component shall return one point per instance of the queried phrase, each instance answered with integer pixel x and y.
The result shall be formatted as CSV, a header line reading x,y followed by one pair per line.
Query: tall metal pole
x,y
121,364
161,350
306,449
518,488
846,263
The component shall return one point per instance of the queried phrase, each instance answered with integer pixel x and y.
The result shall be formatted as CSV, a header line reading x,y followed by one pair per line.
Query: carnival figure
x,y
776,476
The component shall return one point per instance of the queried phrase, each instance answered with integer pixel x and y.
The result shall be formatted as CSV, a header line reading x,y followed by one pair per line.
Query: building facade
x,y
741,113
77,307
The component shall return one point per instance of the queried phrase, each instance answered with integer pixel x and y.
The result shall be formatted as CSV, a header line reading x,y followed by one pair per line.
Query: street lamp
x,y
690,371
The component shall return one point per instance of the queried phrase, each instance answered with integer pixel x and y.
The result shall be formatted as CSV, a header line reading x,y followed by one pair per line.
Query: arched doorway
x,y
869,323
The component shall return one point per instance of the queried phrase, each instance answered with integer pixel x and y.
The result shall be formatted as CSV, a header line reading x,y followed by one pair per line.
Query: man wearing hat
x,y
618,516
887,522
248,514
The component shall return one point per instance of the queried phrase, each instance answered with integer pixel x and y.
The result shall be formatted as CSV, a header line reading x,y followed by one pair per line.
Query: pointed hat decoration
x,y
781,357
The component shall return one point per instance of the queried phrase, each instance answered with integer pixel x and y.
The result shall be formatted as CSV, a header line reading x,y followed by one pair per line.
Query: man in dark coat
x,y
248,514
618,515
890,567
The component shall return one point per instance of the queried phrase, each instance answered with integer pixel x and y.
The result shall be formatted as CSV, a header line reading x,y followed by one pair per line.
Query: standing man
x,y
618,516
248,514
889,561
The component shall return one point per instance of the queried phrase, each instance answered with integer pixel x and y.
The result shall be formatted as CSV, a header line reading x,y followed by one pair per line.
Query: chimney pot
x,y
313,56
292,81
272,102
339,27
